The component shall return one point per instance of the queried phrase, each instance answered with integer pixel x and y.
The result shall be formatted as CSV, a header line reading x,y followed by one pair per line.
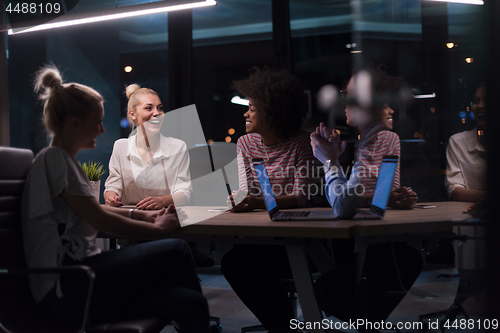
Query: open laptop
x,y
377,206
272,206
382,190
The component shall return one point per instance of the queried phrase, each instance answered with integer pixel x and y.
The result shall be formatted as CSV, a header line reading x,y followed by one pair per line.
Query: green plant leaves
x,y
94,170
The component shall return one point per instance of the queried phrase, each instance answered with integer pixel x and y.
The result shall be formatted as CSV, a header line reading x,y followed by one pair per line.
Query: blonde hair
x,y
132,92
63,100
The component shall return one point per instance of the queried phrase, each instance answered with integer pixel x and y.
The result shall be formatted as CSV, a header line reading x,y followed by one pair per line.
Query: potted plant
x,y
94,171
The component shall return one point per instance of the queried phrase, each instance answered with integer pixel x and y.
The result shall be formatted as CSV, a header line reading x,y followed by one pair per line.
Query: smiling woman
x,y
61,218
148,169
273,122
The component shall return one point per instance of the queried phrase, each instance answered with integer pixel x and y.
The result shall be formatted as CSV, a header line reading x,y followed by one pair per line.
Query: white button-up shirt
x,y
167,172
465,162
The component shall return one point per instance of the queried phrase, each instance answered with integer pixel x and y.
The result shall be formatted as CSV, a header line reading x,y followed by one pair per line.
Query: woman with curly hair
x,y
388,266
273,123
370,95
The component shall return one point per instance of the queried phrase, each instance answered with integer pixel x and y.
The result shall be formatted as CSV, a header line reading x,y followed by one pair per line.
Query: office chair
x,y
18,311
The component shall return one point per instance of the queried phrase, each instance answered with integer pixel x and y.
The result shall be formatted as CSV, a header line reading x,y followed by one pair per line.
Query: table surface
x,y
258,223
294,233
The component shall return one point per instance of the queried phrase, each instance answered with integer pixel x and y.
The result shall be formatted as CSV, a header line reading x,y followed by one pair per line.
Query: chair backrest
x,y
16,303
14,167
18,312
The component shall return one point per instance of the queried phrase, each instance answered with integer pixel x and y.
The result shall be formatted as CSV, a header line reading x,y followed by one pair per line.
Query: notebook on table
x,y
272,206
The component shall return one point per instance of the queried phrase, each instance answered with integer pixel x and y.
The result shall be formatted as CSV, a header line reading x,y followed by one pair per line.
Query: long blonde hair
x,y
63,100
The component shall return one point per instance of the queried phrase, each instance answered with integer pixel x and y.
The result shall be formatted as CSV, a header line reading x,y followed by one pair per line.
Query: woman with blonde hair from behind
x,y
61,218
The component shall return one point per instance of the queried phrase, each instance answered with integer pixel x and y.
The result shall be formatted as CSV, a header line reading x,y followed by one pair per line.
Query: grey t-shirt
x,y
51,229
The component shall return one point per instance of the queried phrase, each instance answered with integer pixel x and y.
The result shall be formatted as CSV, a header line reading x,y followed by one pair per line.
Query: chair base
x,y
216,327
255,328
149,325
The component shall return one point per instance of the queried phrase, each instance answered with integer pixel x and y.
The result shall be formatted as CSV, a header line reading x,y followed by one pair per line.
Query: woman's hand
x,y
152,203
478,209
145,215
236,197
323,131
246,205
181,214
403,198
113,201
167,220
325,146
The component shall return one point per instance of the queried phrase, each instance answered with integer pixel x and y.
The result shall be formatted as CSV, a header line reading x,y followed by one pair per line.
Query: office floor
x,y
427,295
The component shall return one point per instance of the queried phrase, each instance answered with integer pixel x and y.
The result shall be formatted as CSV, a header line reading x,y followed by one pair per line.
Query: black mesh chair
x,y
18,311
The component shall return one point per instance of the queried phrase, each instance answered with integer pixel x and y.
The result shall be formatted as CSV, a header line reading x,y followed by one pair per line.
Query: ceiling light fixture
x,y
425,96
109,14
240,101
466,2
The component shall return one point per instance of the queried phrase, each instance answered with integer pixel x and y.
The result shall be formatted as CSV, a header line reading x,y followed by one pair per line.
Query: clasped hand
x,y
247,204
403,198
151,215
168,218
326,146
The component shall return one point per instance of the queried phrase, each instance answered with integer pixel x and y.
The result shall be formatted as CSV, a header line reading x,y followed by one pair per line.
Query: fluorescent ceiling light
x,y
425,96
467,2
111,14
240,101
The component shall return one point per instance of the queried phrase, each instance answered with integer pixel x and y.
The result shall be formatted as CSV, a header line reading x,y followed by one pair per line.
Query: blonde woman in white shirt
x,y
148,169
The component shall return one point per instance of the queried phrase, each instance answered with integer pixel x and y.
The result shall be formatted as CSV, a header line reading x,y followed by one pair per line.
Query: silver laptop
x,y
382,190
272,207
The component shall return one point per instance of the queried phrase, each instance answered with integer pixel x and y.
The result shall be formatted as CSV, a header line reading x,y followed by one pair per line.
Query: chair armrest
x,y
89,272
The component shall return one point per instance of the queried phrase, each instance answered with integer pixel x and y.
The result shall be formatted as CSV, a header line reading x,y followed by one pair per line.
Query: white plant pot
x,y
96,186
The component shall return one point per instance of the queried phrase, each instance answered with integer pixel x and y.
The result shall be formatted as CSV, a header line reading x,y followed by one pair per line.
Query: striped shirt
x,y
289,165
370,159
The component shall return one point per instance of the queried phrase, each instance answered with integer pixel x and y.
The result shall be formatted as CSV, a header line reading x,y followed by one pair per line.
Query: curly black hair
x,y
278,96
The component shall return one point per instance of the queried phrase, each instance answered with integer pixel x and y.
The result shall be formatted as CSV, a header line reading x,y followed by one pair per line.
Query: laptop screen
x,y
265,184
384,182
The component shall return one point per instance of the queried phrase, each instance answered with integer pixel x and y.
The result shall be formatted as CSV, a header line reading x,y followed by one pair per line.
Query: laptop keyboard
x,y
370,217
295,214
366,215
